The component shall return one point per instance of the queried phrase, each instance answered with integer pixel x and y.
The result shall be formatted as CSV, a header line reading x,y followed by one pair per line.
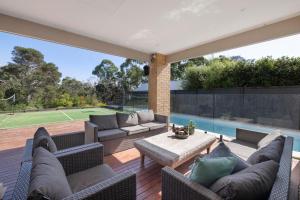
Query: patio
x,y
158,36
148,177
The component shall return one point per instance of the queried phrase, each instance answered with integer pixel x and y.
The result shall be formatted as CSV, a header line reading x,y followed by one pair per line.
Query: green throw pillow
x,y
206,171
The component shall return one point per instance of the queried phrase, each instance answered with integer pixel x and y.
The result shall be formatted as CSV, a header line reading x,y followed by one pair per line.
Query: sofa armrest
x,y
27,155
172,180
80,158
67,140
249,136
120,186
20,191
91,130
281,186
161,118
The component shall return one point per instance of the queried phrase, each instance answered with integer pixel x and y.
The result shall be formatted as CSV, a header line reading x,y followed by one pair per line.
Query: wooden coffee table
x,y
170,151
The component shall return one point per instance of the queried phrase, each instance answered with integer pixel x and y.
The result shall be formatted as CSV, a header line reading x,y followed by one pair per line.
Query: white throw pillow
x,y
145,116
268,139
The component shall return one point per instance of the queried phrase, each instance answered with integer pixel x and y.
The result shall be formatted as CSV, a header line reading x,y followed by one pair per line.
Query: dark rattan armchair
x,y
176,186
120,186
62,142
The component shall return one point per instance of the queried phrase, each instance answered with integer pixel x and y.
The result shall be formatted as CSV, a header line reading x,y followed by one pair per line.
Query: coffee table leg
x,y
142,159
208,150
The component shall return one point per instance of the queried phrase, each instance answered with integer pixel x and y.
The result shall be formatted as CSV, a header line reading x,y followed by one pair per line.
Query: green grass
x,y
46,117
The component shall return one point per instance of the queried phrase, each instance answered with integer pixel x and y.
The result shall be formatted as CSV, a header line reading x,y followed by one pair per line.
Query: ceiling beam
x,y
34,30
268,32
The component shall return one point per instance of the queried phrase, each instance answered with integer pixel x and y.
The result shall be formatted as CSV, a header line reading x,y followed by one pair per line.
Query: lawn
x,y
45,117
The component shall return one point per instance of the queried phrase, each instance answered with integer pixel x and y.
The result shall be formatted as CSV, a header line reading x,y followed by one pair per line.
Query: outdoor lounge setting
x,y
226,127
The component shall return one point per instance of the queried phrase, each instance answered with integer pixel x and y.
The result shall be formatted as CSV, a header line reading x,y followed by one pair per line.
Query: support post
x,y
159,85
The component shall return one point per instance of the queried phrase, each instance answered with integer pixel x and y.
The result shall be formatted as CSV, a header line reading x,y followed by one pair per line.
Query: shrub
x,y
64,100
101,104
225,73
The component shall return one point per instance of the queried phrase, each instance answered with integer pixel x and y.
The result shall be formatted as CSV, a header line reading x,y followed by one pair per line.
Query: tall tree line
x,y
39,84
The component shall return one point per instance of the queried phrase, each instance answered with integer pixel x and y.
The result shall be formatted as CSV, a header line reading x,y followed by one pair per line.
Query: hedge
x,y
227,73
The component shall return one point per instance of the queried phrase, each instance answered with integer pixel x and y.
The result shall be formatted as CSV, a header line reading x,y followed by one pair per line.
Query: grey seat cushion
x,y
223,151
242,149
104,122
272,151
111,134
254,182
47,177
154,125
130,130
83,179
125,119
42,138
145,116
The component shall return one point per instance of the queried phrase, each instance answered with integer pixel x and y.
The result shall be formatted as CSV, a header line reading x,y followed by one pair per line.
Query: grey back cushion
x,y
254,182
145,116
104,122
125,119
42,138
223,151
47,178
272,151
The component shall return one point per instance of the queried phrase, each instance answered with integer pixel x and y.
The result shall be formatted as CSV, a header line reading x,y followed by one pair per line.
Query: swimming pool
x,y
228,128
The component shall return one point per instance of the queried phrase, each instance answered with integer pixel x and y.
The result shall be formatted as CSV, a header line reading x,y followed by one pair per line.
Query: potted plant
x,y
180,132
191,127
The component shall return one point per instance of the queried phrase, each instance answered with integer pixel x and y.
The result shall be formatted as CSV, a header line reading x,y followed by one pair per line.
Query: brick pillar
x,y
159,85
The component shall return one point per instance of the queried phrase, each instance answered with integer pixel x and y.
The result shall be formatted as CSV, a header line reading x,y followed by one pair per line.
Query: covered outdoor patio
x,y
159,33
148,176
162,33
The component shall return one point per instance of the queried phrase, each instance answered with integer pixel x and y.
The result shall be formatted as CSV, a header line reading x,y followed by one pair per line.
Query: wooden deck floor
x,y
148,176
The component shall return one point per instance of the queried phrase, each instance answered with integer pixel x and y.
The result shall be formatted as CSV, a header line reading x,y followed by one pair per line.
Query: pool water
x,y
228,128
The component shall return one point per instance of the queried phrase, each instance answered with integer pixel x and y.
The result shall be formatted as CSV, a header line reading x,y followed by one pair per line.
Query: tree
x,y
27,57
115,83
31,77
106,70
36,83
81,93
72,86
45,79
134,77
178,69
131,74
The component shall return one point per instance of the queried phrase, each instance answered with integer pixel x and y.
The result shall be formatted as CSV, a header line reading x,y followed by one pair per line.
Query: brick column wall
x,y
159,85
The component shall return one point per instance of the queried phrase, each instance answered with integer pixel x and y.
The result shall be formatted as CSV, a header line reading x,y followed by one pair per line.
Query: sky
x,y
73,62
79,63
287,46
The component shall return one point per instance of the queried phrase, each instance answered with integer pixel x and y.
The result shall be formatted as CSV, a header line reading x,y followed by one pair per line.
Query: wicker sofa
x,y
84,160
176,186
118,132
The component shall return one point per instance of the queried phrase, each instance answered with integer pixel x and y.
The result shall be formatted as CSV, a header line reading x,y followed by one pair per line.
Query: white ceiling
x,y
164,26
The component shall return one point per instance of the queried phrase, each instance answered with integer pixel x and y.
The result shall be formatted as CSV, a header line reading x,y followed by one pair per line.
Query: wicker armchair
x,y
62,142
121,186
176,186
